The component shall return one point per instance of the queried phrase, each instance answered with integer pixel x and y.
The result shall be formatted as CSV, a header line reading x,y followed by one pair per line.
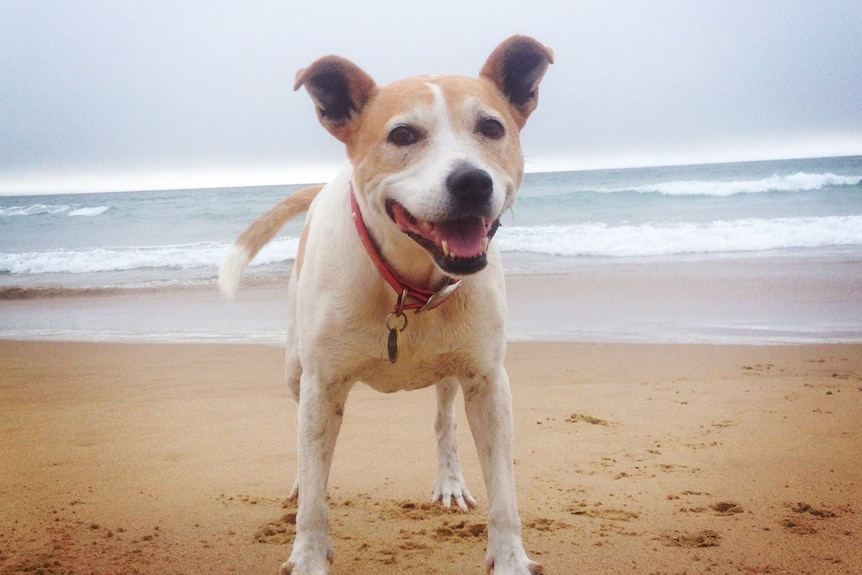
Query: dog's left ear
x,y
339,89
516,67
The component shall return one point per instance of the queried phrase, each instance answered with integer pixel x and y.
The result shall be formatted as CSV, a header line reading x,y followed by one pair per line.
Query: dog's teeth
x,y
484,244
445,245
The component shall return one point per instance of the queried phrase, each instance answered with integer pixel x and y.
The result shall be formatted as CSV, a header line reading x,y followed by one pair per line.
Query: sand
x,y
744,300
169,459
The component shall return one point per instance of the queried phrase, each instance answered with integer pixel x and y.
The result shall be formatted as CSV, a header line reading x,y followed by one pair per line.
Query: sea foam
x,y
665,239
90,212
33,210
125,258
52,209
589,239
798,182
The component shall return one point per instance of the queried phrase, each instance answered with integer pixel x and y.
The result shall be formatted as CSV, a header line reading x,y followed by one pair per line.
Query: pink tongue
x,y
465,236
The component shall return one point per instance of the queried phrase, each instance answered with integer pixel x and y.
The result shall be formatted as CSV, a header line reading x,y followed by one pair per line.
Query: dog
x,y
397,281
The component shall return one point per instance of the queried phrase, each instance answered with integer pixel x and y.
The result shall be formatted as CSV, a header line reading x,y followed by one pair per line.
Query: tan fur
x,y
266,226
494,71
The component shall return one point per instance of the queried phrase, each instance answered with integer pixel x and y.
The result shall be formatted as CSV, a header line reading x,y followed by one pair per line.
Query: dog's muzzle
x,y
459,246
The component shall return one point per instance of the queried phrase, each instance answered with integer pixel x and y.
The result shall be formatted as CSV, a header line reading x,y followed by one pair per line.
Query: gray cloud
x,y
94,88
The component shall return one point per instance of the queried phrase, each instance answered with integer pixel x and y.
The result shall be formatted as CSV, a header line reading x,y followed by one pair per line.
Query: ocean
x,y
806,214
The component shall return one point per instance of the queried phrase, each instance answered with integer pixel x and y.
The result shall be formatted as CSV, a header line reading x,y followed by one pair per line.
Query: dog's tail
x,y
258,234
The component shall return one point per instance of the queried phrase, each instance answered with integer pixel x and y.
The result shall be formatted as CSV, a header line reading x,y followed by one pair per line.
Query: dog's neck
x,y
408,294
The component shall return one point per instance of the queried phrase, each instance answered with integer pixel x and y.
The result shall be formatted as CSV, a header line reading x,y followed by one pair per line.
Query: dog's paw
x,y
294,492
453,488
305,560
289,568
507,560
527,568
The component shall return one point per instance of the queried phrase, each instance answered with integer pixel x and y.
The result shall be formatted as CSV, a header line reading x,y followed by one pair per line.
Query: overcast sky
x,y
166,93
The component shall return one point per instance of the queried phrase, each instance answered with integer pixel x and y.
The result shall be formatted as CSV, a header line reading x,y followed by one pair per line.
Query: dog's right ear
x,y
339,89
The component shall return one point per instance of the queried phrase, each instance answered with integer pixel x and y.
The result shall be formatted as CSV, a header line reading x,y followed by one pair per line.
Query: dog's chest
x,y
408,373
429,351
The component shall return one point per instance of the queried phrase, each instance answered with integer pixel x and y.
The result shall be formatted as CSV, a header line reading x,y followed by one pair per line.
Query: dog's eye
x,y
491,128
403,136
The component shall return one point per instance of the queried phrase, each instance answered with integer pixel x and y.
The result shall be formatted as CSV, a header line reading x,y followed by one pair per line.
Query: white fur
x,y
337,331
450,146
339,304
234,263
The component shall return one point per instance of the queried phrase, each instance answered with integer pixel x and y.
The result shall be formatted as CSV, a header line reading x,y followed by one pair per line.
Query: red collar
x,y
421,299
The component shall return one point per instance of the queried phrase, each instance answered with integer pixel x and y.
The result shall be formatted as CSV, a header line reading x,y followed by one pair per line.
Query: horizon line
x,y
197,179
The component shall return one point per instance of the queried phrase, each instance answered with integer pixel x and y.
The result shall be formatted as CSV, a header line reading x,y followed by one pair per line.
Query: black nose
x,y
470,186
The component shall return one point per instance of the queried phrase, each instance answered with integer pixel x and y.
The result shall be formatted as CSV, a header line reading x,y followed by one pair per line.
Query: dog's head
x,y
436,158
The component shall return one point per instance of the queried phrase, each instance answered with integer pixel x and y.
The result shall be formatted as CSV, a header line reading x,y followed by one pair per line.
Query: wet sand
x,y
741,300
177,458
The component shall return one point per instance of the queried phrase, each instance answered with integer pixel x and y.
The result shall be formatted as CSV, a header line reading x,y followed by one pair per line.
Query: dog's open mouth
x,y
459,246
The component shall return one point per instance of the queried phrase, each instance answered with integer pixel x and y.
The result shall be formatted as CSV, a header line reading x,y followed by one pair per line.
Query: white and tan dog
x,y
397,283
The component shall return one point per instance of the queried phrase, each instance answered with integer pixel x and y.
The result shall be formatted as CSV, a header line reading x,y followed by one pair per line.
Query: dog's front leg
x,y
321,410
489,412
450,479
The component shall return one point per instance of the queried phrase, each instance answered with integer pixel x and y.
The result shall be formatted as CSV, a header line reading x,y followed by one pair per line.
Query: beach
x,y
630,458
685,354
678,219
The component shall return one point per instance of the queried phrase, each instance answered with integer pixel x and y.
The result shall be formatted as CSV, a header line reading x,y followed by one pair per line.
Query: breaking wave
x,y
659,239
95,260
798,182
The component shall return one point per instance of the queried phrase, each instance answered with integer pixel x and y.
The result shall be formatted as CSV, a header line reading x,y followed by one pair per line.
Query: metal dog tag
x,y
393,345
440,296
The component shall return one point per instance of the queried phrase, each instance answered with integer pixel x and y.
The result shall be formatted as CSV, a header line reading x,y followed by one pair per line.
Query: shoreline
x,y
630,459
743,300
